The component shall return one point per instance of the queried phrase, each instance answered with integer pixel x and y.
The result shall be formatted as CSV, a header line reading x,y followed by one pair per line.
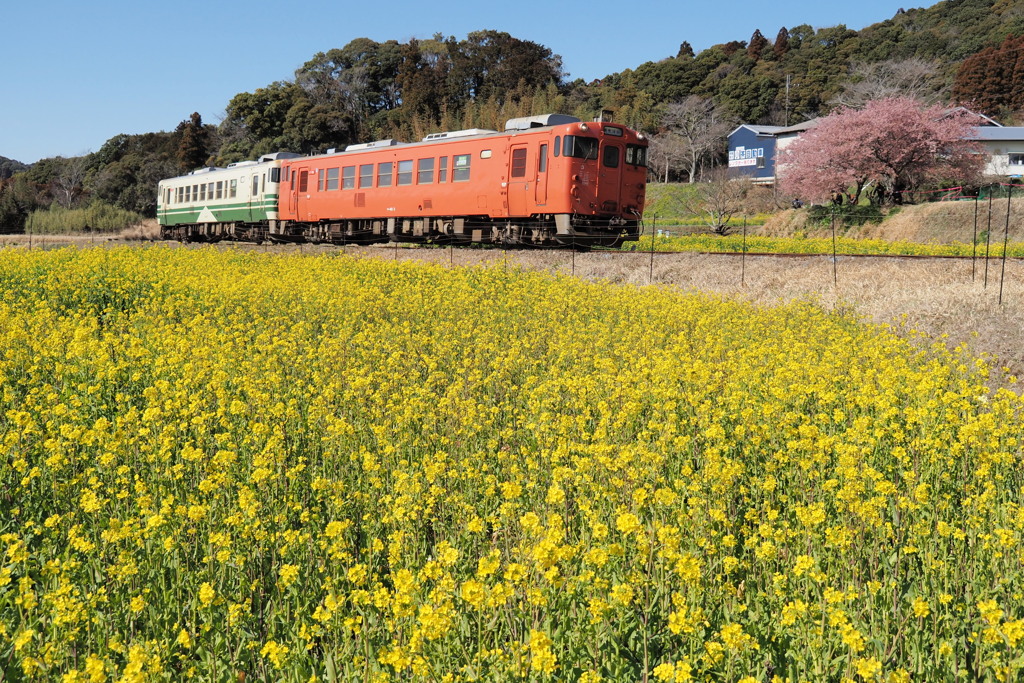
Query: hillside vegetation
x,y
368,90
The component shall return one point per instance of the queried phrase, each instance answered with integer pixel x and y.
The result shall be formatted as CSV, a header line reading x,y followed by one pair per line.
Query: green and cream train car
x,y
238,202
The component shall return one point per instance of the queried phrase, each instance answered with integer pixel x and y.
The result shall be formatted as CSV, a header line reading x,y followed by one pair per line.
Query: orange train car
x,y
548,180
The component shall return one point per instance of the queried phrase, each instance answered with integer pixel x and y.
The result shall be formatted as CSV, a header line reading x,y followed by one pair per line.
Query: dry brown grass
x,y
937,223
146,231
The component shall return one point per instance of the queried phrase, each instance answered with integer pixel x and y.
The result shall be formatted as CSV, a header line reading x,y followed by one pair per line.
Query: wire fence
x,y
982,224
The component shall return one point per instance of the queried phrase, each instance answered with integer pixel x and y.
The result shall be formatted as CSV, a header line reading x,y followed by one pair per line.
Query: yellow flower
x,y
206,594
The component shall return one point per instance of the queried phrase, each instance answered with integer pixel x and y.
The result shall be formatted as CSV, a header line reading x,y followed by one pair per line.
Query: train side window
x,y
519,163
255,185
558,144
275,175
332,179
181,194
365,175
405,172
424,171
209,191
188,194
348,178
460,168
263,182
220,189
542,163
303,181
611,156
384,173
195,193
234,187
442,170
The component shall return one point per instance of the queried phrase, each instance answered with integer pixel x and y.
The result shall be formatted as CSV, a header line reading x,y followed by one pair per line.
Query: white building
x,y
1006,145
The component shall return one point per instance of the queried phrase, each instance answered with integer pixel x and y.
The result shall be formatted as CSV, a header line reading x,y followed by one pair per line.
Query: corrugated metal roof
x,y
760,130
799,128
1001,133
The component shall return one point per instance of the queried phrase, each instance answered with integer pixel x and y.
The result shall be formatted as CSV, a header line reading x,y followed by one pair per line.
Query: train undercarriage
x,y
543,231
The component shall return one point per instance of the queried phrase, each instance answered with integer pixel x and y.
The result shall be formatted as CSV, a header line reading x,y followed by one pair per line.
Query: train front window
x,y
636,155
579,147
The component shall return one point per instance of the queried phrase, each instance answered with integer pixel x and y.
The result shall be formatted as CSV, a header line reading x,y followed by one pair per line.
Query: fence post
x,y
743,257
988,233
654,231
974,242
835,270
1006,241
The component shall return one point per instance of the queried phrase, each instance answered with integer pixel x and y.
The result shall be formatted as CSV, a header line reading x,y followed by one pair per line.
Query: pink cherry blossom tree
x,y
897,143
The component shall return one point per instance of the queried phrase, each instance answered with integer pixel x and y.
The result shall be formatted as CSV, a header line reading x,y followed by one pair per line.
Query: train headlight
x,y
584,127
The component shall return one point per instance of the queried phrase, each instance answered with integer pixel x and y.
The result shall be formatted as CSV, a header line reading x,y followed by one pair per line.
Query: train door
x,y
610,177
540,188
165,204
300,192
520,174
255,205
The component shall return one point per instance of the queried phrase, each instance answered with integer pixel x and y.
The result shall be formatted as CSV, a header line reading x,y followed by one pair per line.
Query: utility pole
x,y
787,100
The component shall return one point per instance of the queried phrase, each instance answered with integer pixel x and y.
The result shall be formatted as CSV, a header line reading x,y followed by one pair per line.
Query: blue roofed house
x,y
754,150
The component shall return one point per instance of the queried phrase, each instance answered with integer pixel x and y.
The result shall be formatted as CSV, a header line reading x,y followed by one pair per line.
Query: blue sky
x,y
77,73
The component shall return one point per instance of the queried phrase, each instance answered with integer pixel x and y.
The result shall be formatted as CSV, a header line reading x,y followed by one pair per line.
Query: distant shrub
x,y
97,217
847,216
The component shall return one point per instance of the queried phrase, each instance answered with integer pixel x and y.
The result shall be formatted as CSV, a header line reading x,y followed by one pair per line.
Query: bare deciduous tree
x,y
720,198
665,152
701,126
67,183
915,78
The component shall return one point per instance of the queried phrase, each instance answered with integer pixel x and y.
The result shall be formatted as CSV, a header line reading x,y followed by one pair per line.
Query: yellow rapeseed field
x,y
227,466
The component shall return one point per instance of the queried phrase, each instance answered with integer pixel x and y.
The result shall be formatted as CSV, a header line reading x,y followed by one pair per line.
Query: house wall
x,y
1007,157
751,155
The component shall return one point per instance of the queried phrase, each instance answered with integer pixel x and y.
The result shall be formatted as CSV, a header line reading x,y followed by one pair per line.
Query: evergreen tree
x,y
192,147
781,45
757,43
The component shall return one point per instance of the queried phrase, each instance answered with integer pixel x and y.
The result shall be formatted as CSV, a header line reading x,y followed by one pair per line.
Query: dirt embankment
x,y
938,222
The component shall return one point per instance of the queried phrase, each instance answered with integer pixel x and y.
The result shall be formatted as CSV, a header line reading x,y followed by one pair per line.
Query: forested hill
x,y
965,51
9,167
918,49
369,90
